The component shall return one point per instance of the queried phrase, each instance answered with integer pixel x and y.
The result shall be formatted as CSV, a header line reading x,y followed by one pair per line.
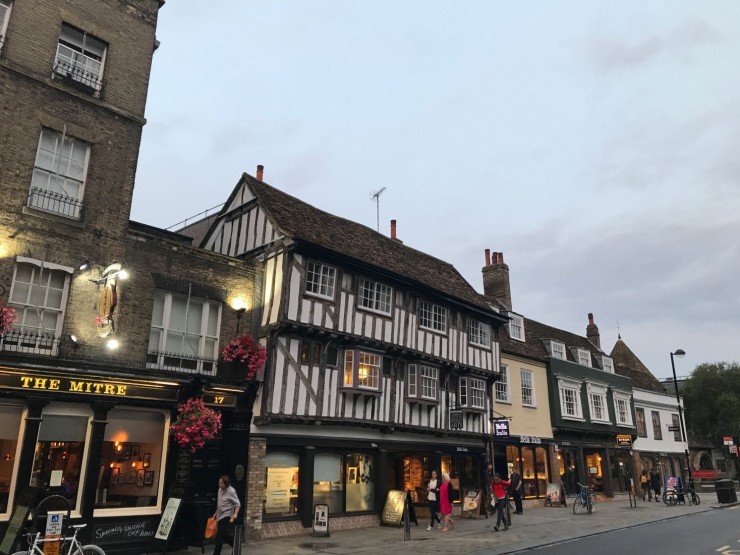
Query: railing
x,y
199,216
176,362
54,203
78,77
20,341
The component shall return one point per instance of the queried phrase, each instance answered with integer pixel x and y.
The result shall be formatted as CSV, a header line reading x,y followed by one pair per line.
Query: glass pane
x,y
174,342
32,318
528,468
191,346
195,316
210,348
542,470
281,484
20,293
158,309
54,298
49,320
154,335
177,314
416,473
212,328
328,485
360,472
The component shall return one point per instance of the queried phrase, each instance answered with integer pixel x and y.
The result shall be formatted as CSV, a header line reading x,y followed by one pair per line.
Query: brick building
x,y
118,321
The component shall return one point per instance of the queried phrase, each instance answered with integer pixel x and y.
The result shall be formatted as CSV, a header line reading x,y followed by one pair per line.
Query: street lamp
x,y
680,353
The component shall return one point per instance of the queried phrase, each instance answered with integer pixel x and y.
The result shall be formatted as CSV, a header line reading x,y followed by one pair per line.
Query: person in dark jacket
x,y
516,485
433,498
655,483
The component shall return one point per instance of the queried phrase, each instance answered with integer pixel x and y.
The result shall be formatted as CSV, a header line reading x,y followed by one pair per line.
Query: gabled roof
x,y
311,226
627,364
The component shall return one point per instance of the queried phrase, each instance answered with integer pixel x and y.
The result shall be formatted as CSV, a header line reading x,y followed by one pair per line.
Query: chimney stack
x,y
592,331
393,232
260,172
496,283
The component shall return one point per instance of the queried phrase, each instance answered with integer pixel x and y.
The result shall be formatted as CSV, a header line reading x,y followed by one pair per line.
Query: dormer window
x,y
432,317
556,349
320,280
584,357
479,333
375,296
516,327
607,364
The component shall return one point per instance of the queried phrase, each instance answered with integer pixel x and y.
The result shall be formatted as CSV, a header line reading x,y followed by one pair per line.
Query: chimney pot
x,y
488,257
590,318
393,229
500,258
260,172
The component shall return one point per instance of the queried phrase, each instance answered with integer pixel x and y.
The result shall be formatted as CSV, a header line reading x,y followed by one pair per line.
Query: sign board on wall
x,y
624,440
501,428
456,420
279,481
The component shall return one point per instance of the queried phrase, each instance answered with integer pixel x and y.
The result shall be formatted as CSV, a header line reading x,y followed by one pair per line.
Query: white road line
x,y
723,548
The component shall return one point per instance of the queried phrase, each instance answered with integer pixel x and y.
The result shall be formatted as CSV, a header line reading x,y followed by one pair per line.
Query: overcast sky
x,y
595,143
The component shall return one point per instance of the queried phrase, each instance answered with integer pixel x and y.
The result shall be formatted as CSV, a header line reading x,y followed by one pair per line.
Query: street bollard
x,y
406,520
237,549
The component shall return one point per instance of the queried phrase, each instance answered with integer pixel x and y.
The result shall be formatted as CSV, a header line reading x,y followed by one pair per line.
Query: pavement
x,y
537,527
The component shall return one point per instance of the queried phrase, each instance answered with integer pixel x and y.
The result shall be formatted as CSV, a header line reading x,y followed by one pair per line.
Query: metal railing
x,y
199,216
34,343
54,203
176,362
78,77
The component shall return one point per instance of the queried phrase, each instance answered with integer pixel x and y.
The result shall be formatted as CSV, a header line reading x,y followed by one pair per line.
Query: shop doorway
x,y
621,471
569,470
594,470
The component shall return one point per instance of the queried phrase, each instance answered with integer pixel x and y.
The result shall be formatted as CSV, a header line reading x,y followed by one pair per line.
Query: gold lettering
x,y
219,400
109,389
76,386
98,387
53,384
39,383
121,390
26,381
88,385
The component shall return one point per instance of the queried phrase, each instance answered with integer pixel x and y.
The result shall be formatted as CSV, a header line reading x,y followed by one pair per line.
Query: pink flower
x,y
246,350
8,317
195,424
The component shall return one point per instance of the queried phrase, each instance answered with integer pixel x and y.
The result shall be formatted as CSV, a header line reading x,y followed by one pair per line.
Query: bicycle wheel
x,y
695,498
89,550
21,553
577,505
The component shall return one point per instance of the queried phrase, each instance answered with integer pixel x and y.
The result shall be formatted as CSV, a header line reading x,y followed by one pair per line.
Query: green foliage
x,y
712,399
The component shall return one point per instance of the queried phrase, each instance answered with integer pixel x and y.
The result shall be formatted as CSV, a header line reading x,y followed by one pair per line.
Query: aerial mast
x,y
376,197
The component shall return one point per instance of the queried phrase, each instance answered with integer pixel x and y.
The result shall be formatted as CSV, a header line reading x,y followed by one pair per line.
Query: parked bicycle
x,y
584,500
35,543
681,495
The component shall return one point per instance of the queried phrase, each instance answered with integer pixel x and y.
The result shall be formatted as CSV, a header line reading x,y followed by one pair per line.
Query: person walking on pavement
x,y
515,490
645,486
433,498
227,510
498,488
655,483
445,502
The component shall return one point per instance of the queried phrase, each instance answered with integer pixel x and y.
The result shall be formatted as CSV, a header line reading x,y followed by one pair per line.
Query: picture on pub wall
x,y
126,452
130,477
149,478
114,475
351,474
134,451
140,477
147,460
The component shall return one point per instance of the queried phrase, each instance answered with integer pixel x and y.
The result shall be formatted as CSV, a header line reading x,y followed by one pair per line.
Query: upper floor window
x,y
623,409
479,333
432,316
320,280
472,393
375,296
422,382
4,17
311,353
516,327
527,384
607,364
570,400
641,424
502,386
58,181
584,357
597,403
676,427
362,370
657,432
556,349
79,59
184,333
39,295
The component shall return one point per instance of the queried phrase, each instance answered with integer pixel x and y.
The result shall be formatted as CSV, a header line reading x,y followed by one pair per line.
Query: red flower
x,y
195,424
8,317
247,351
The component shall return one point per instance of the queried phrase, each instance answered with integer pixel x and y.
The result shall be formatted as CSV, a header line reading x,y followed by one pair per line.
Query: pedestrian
x,y
227,510
445,502
655,483
515,490
433,498
498,488
645,486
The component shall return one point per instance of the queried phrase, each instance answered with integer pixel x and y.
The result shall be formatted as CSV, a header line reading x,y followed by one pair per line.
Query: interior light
x,y
112,344
123,274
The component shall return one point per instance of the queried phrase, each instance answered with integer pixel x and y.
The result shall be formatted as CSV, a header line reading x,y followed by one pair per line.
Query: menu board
x,y
393,509
279,482
26,500
168,518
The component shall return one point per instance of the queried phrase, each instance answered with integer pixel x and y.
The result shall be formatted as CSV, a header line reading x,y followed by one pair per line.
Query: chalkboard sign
x,y
169,515
393,509
320,520
121,532
26,500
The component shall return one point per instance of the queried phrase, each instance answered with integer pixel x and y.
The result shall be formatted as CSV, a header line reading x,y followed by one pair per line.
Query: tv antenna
x,y
375,195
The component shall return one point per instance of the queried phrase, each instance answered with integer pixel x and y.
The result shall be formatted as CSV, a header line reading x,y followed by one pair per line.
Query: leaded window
x,y
375,296
320,280
432,316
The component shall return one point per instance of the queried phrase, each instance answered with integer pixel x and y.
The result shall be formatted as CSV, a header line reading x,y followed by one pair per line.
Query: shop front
x,y
528,455
604,467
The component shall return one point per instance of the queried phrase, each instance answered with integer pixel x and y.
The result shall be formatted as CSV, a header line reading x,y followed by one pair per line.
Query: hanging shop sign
x,y
86,385
456,419
624,440
501,428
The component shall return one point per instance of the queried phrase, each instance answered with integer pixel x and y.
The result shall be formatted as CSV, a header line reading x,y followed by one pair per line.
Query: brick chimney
x,y
496,279
592,331
393,232
260,172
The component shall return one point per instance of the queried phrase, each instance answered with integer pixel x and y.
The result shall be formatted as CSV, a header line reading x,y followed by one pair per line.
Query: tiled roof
x,y
197,230
627,364
303,222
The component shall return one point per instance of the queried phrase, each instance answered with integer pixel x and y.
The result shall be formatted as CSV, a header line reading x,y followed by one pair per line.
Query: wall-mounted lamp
x,y
112,344
239,306
8,457
84,266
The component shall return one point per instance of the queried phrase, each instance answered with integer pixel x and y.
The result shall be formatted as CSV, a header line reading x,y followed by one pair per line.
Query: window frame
x,y
584,357
599,392
560,349
625,398
469,389
374,300
437,317
676,423
575,387
533,398
516,322
415,385
607,364
640,423
331,276
96,83
505,382
4,21
479,333
657,430
352,358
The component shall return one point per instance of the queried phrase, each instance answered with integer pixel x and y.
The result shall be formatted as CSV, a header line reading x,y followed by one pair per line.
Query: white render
x,y
666,407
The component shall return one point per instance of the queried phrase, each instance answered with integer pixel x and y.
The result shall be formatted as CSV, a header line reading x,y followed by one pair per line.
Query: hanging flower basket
x,y
195,424
246,354
8,316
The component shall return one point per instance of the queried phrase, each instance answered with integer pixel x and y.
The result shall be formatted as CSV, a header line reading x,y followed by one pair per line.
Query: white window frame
x,y
373,301
432,317
472,393
516,327
526,381
584,357
598,391
8,4
575,387
164,329
501,387
607,364
326,279
556,349
422,382
373,363
624,398
479,333
462,393
81,58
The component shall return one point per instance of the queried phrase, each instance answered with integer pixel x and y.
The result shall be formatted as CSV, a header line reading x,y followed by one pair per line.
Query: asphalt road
x,y
715,532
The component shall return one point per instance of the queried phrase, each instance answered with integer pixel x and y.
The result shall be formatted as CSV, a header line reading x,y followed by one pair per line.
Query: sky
x,y
596,144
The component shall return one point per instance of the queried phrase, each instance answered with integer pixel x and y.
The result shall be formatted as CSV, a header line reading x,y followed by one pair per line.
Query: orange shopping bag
x,y
211,528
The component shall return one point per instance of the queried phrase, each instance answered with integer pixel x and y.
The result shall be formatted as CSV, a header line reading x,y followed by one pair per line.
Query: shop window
x,y
132,458
328,483
594,470
59,458
448,465
281,484
416,473
10,425
360,473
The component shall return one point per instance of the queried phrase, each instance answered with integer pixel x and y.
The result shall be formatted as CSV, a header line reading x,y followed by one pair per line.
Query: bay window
x,y
472,393
422,382
362,370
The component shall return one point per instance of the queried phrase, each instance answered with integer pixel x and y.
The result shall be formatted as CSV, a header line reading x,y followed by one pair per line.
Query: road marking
x,y
721,549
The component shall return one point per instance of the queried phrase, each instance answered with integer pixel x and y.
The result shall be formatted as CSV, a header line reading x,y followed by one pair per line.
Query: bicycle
x,y
584,500
75,548
676,496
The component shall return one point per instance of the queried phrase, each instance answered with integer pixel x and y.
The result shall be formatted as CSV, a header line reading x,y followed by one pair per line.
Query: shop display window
x,y
10,426
328,482
59,458
281,484
360,472
595,473
416,474
344,482
132,460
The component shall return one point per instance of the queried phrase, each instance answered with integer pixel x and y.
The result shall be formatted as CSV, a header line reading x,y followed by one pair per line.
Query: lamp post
x,y
680,354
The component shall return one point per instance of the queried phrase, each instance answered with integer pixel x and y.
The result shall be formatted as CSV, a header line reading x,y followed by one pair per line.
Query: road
x,y
714,532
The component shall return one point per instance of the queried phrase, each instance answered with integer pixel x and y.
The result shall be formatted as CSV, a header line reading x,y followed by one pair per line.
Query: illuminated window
x,y
362,370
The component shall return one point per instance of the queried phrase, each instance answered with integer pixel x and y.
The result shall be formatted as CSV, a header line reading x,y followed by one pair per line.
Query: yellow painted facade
x,y
525,420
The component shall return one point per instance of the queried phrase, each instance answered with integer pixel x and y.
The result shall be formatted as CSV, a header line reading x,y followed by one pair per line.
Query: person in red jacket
x,y
498,488
445,502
